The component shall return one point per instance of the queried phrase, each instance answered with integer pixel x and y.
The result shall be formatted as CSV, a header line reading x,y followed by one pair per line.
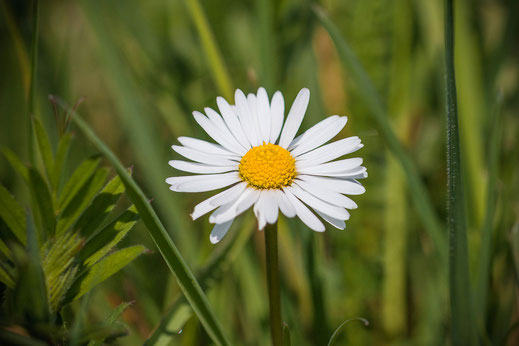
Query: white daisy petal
x,y
231,210
216,133
246,119
317,204
229,195
232,121
260,212
284,204
331,167
326,195
349,187
270,206
253,108
277,112
219,231
340,224
198,156
304,213
294,118
263,114
193,167
329,152
201,183
354,173
207,147
218,121
209,204
318,135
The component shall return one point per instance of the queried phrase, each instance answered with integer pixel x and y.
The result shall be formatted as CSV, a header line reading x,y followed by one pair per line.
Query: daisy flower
x,y
262,164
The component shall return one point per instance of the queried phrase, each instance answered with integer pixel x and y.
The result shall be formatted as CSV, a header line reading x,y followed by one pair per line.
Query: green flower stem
x,y
271,250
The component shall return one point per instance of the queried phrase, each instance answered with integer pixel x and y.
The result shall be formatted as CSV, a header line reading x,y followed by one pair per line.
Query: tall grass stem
x,y
459,283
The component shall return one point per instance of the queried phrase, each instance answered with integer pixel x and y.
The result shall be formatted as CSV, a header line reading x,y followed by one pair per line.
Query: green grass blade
x,y
32,81
286,335
179,312
337,331
372,100
459,281
6,277
13,215
82,198
210,48
167,248
101,206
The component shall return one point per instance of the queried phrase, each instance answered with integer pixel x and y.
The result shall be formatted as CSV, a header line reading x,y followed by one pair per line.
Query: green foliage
x,y
43,269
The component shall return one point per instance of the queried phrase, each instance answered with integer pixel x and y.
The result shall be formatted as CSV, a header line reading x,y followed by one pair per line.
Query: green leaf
x,y
82,198
42,197
17,164
60,267
167,248
108,237
462,330
13,215
61,155
45,148
102,205
110,322
367,91
78,179
342,325
5,250
5,276
30,293
102,270
9,338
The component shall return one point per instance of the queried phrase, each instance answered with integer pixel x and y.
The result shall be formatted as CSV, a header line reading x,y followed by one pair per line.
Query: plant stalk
x,y
271,251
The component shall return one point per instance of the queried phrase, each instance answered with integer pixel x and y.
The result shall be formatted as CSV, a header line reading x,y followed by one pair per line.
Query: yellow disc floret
x,y
268,166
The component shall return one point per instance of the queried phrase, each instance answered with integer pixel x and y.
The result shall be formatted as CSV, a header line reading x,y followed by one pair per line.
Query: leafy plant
x,y
61,247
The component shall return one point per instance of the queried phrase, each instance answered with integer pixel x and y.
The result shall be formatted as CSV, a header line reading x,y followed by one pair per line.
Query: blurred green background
x,y
144,66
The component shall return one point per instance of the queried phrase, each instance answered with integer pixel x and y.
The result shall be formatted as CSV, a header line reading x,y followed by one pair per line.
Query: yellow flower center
x,y
268,166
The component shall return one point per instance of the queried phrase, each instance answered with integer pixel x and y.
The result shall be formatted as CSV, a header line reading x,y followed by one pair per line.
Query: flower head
x,y
261,164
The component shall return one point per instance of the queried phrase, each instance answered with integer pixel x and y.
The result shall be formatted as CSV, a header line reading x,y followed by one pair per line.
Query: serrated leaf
x,y
78,179
102,270
61,155
43,200
60,266
44,147
102,205
13,215
82,198
108,237
30,293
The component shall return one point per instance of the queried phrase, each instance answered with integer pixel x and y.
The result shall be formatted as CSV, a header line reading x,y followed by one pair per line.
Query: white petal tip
x,y
214,240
